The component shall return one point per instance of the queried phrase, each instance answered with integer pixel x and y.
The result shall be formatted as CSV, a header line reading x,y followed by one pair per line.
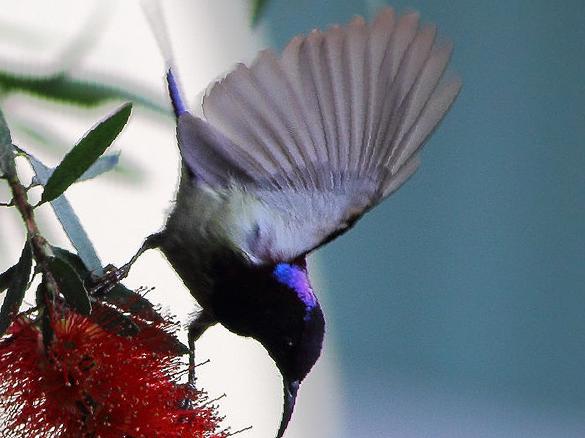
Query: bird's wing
x,y
324,132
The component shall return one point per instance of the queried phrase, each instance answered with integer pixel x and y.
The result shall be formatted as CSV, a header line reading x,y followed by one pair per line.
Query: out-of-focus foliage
x,y
258,8
63,88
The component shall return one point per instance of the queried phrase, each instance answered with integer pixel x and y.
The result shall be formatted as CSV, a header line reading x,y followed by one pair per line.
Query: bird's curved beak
x,y
290,390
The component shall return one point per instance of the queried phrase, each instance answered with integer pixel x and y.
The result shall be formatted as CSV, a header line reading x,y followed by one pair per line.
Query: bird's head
x,y
297,345
276,306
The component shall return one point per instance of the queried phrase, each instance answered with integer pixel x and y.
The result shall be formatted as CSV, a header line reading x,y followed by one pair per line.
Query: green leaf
x,y
154,336
113,320
57,87
128,172
132,302
7,166
61,87
44,314
72,260
119,296
5,138
70,222
85,153
258,8
17,288
161,341
6,278
70,285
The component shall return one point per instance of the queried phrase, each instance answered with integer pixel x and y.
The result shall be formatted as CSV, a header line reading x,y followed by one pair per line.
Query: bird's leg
x,y
114,275
196,328
151,242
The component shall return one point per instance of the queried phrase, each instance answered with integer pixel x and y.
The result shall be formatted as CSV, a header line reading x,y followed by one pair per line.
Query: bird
x,y
287,153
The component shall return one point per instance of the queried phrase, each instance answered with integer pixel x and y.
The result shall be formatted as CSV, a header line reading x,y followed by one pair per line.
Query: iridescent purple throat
x,y
297,279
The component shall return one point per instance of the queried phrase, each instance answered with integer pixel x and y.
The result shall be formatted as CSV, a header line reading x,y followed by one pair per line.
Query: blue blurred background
x,y
458,305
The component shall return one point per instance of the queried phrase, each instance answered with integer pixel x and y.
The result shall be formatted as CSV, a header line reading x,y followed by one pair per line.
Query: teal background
x,y
458,305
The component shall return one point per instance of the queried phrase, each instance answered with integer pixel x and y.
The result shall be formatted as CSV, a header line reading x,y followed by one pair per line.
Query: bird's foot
x,y
109,279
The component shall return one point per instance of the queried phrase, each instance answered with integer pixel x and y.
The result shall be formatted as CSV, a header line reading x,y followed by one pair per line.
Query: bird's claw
x,y
109,279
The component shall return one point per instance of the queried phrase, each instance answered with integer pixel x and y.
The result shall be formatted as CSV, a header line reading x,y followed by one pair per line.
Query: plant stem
x,y
40,247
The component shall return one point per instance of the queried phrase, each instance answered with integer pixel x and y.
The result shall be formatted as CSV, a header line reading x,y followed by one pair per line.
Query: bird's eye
x,y
289,342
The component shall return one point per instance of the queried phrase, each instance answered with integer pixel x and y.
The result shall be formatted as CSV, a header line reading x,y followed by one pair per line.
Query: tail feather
x,y
175,94
155,16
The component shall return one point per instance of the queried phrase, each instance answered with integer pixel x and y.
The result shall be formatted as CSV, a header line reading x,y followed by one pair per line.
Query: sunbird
x,y
288,154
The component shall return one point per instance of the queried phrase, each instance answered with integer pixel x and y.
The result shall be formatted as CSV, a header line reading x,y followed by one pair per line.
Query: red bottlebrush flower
x,y
92,383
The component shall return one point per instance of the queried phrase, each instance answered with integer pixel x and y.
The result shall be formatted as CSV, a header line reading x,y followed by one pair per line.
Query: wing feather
x,y
322,133
400,40
381,31
357,78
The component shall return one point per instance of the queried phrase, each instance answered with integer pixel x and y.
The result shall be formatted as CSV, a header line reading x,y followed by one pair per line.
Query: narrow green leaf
x,y
7,166
6,278
72,260
162,342
5,138
44,314
113,320
70,285
70,222
85,153
61,87
17,288
119,296
258,8
155,337
57,87
132,302
129,171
